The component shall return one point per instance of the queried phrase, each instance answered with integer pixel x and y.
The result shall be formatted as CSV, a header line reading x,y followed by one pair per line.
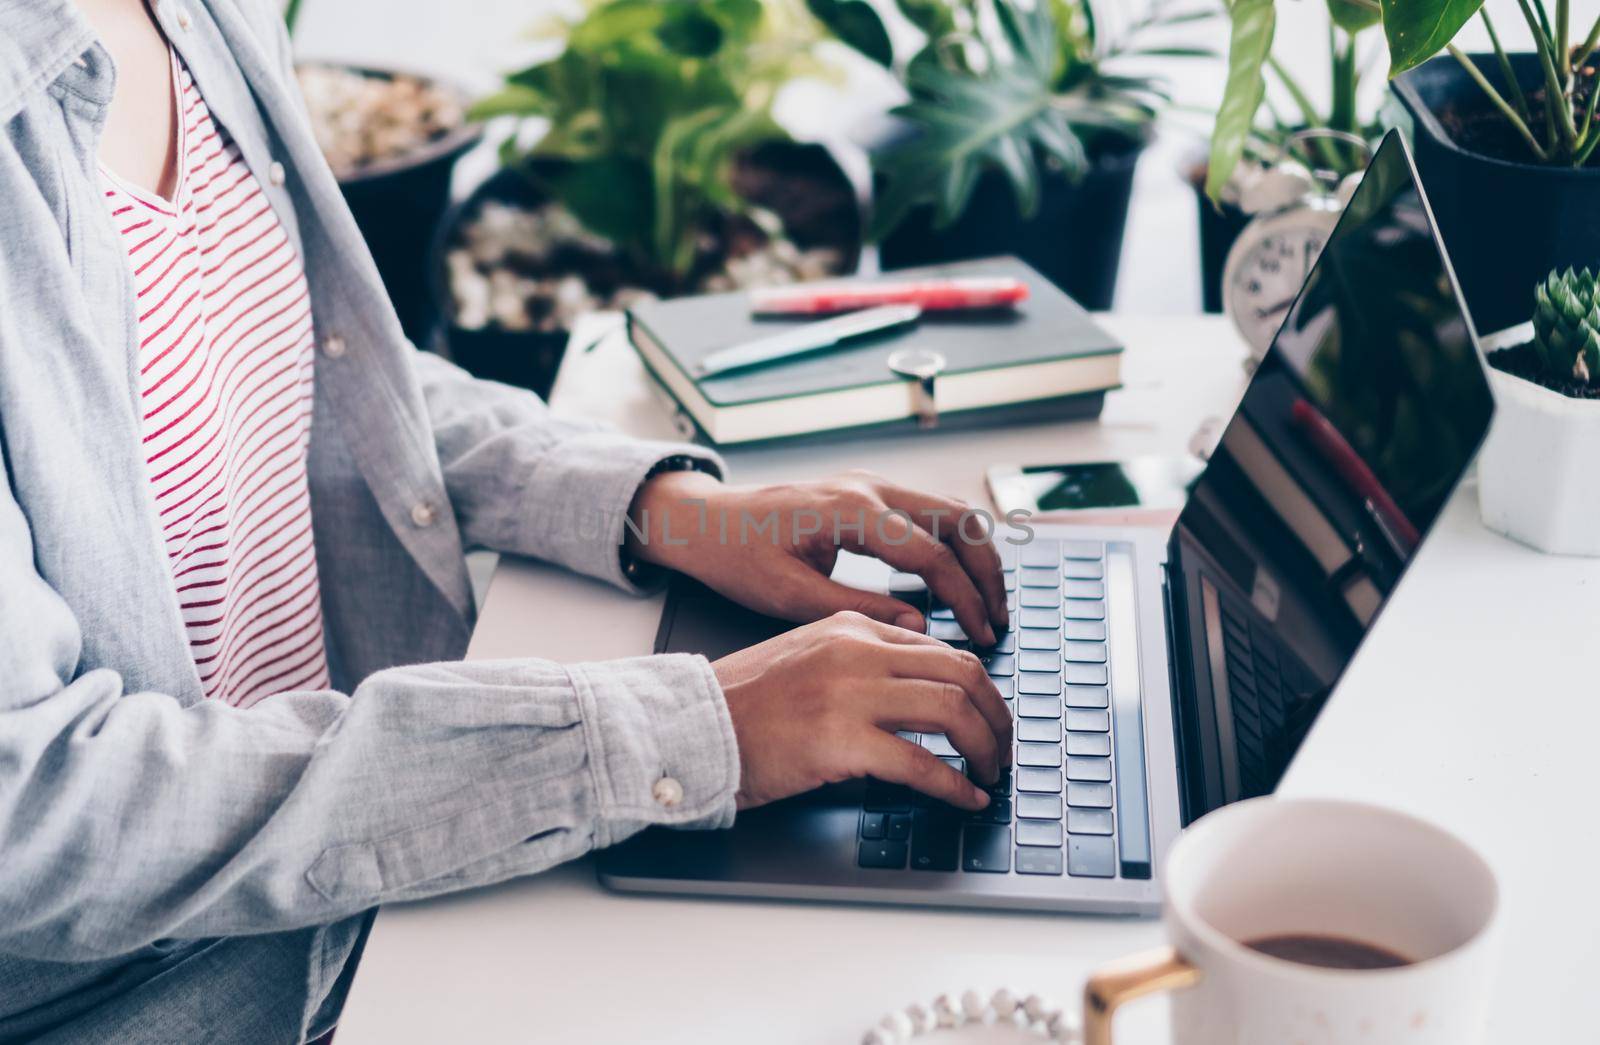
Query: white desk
x,y
1476,704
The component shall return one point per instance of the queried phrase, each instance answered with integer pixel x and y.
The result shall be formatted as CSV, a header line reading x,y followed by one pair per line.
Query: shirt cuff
x,y
598,474
661,744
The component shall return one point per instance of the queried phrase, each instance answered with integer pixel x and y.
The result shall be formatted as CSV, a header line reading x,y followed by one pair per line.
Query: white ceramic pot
x,y
1539,470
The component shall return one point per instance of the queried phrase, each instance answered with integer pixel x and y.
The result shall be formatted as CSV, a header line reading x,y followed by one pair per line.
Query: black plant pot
x,y
398,204
1074,239
1505,223
799,182
1220,226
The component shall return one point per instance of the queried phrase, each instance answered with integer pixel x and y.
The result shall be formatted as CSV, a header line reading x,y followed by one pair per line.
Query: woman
x,y
232,592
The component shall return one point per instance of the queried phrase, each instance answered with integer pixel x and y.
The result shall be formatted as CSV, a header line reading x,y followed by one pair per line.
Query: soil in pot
x,y
1074,238
392,140
518,270
1525,362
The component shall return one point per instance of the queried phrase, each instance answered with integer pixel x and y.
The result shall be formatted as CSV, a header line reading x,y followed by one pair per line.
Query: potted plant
x,y
1252,131
1536,477
659,171
1020,135
392,139
1506,145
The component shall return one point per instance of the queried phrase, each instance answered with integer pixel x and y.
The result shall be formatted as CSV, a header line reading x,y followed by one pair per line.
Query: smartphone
x,y
1140,484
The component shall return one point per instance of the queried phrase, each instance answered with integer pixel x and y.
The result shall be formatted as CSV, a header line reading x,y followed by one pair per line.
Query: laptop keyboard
x,y
1052,812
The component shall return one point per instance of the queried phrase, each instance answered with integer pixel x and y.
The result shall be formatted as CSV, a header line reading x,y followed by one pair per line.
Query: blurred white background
x,y
473,41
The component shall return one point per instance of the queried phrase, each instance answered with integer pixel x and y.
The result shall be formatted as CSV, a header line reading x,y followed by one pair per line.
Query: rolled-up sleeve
x,y
128,817
522,480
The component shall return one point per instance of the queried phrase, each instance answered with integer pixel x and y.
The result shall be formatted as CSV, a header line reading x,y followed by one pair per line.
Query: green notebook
x,y
1045,359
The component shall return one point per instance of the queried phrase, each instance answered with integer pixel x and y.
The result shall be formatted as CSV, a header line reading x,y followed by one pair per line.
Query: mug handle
x,y
1133,977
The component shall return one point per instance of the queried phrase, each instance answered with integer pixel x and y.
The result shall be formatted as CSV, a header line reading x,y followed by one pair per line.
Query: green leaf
x,y
609,195
1419,29
691,33
1248,48
511,100
1355,15
856,24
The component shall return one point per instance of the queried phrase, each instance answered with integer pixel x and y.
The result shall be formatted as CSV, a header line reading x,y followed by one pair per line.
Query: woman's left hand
x,y
772,548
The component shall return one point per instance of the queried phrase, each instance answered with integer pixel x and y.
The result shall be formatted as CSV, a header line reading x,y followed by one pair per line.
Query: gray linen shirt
x,y
146,832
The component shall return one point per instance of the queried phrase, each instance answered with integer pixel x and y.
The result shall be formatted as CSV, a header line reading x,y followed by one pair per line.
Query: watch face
x,y
1265,277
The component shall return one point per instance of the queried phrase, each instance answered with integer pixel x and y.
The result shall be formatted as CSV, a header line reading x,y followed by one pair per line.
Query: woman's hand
x,y
820,704
772,548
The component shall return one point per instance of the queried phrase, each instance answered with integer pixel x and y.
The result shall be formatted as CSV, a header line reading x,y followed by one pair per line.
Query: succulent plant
x,y
1566,324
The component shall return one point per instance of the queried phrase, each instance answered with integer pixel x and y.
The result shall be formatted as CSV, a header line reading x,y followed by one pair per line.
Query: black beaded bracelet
x,y
642,574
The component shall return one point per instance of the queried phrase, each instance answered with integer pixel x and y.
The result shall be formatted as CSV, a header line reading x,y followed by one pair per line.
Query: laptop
x,y
1154,677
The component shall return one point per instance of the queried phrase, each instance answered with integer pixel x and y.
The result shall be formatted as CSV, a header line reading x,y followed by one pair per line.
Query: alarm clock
x,y
1295,208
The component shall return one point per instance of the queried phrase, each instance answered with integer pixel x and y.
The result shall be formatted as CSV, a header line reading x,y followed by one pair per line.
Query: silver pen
x,y
810,339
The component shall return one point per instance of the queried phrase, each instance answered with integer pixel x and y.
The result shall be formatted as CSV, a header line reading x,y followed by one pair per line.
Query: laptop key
x,y
1043,731
1042,781
899,827
986,847
1039,707
1085,609
1001,788
1039,577
1077,588
1038,683
908,734
1094,770
1039,597
1039,638
998,811
956,763
1088,744
1086,697
1089,821
1039,832
1039,617
874,825
1085,630
939,744
1082,549
1008,554
1084,674
1080,720
1085,652
1038,861
1046,755
1040,552
1088,795
1039,807
1005,687
884,853
1085,569
999,664
935,839
886,798
1039,660
1091,856
946,630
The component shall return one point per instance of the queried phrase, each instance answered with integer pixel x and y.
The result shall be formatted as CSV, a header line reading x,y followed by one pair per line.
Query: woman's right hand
x,y
820,704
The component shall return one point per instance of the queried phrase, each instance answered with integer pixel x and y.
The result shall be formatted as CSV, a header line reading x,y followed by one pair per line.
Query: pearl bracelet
x,y
1003,1009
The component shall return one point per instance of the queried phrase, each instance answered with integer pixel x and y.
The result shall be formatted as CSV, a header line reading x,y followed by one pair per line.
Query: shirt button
x,y
667,792
182,16
423,514
333,346
275,174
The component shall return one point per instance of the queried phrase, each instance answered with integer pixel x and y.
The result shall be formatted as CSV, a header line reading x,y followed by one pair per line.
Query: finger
x,y
960,668
897,761
907,547
939,707
896,635
943,518
800,593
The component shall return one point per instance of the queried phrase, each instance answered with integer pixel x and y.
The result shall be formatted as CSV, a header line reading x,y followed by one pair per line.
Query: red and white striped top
x,y
225,358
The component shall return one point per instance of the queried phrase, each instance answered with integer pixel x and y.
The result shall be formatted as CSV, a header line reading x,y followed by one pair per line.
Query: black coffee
x,y
1327,952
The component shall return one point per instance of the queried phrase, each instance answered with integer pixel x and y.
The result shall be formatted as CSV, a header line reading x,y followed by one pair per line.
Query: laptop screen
x,y
1351,436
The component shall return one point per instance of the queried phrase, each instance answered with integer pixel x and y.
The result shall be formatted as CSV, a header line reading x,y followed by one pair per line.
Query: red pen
x,y
962,293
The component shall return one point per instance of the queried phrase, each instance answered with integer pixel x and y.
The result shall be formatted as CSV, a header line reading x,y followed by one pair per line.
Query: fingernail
x,y
991,640
909,621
